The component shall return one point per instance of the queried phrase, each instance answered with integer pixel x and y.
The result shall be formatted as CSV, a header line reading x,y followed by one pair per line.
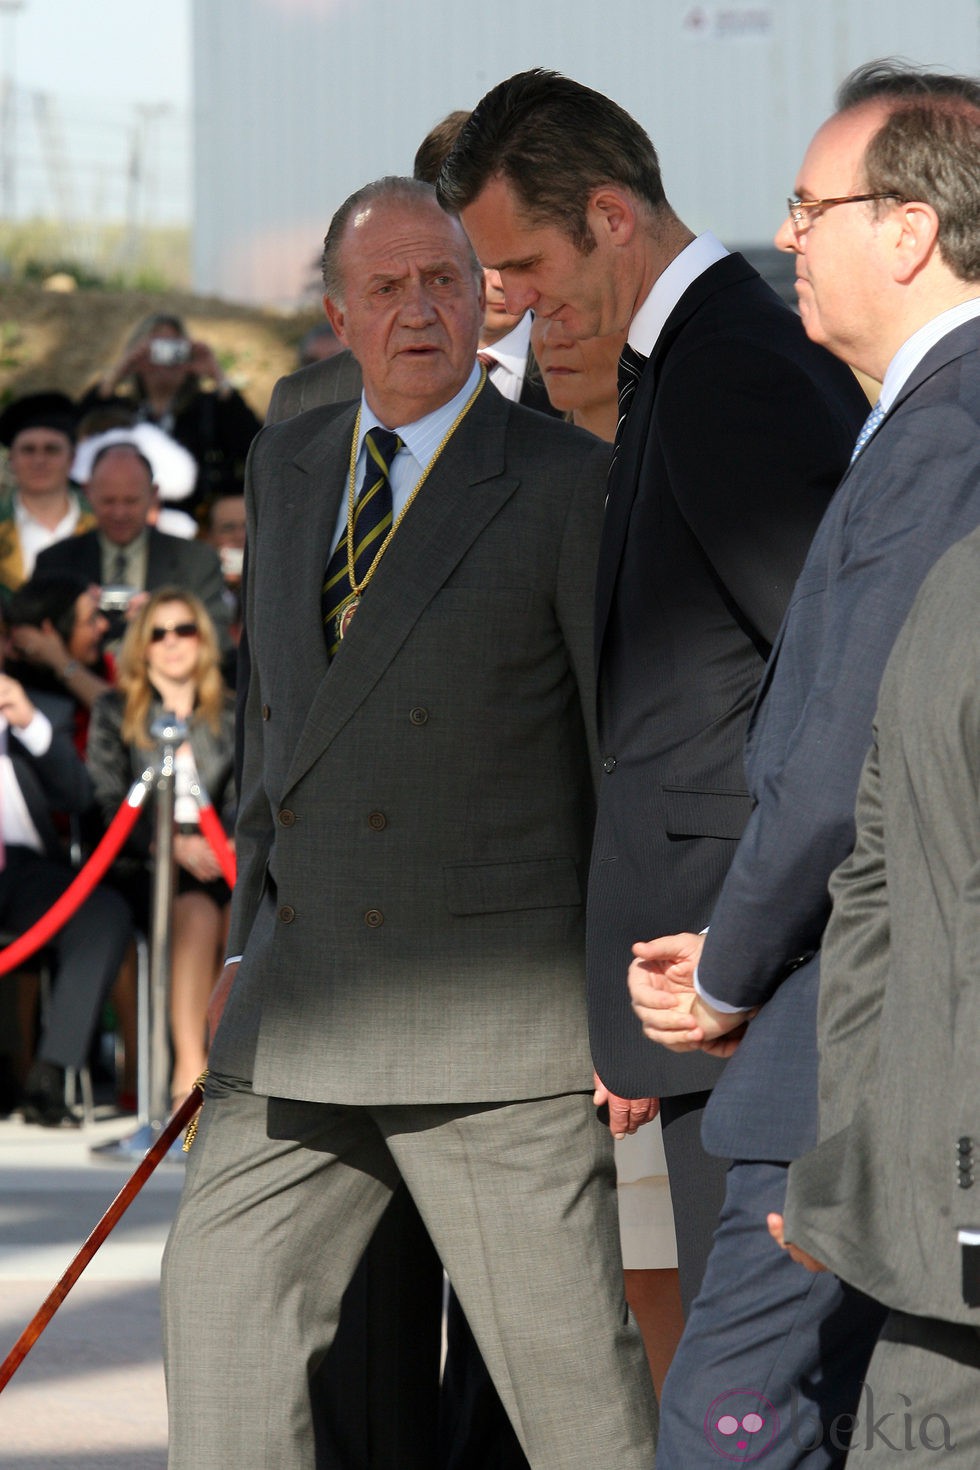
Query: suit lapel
x,y
464,491
626,475
303,507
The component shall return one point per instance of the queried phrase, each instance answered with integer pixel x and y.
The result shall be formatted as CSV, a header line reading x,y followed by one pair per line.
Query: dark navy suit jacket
x,y
735,441
913,491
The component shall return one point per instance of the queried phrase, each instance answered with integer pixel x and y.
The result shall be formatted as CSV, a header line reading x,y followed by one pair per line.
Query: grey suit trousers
x,y
281,1198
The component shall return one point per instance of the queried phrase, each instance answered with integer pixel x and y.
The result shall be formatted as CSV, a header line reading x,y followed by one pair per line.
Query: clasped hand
x,y
661,985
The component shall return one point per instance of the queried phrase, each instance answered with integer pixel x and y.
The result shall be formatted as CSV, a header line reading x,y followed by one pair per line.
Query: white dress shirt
x,y
18,828
669,287
510,359
35,537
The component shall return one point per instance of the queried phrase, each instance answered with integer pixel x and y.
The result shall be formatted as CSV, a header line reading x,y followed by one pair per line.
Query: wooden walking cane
x,y
183,1117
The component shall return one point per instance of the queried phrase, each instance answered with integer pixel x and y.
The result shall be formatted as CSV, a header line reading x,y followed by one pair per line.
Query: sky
x,y
98,87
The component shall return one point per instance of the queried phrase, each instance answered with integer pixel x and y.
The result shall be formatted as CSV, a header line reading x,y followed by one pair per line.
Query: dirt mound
x,y
65,339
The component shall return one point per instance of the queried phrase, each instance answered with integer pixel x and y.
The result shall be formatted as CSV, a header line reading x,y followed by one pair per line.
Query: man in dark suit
x,y
412,845
887,242
41,773
738,431
504,342
125,550
880,1201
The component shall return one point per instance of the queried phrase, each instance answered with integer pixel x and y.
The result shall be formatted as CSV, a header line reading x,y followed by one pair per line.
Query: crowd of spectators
x,y
122,537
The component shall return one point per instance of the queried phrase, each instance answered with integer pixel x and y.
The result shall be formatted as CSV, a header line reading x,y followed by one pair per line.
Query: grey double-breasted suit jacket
x,y
882,1199
415,818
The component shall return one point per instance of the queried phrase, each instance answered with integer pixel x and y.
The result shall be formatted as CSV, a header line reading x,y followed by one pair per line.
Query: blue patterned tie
x,y
372,522
867,429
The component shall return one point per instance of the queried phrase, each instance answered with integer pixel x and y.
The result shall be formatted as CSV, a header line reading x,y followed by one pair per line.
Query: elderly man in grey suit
x,y
890,1199
887,240
412,842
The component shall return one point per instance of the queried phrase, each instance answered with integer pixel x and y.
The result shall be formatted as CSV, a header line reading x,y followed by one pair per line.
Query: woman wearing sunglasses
x,y
170,661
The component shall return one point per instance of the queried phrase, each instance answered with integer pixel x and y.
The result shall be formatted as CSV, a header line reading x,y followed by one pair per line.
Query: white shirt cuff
x,y
36,736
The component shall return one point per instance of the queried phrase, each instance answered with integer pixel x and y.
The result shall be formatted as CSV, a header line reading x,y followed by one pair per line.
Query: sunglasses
x,y
179,630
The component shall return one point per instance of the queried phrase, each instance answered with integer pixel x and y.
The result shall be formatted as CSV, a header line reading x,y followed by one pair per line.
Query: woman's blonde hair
x,y
134,677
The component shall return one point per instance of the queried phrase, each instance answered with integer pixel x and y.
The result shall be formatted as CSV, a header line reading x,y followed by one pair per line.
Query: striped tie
x,y
867,429
631,365
372,522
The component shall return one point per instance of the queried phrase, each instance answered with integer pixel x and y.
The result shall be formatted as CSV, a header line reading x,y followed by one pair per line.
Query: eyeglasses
x,y
802,212
179,630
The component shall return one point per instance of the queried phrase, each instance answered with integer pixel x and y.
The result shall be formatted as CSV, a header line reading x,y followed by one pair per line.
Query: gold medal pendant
x,y
345,615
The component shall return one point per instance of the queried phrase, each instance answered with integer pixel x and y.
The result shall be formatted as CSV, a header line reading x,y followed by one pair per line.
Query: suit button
x,y
374,918
266,712
609,764
286,817
287,913
418,715
964,1145
377,821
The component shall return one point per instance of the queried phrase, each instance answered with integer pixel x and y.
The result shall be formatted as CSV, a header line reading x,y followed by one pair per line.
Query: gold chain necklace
x,y
350,604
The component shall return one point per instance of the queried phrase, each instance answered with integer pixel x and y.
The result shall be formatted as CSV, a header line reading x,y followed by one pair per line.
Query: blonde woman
x,y
170,661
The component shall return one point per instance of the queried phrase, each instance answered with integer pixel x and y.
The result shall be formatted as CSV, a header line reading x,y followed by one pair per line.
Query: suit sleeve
x,y
110,768
575,595
754,453
61,771
254,828
854,961
774,903
204,565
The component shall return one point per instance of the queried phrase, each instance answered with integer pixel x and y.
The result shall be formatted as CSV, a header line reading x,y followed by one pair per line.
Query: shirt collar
x,y
65,526
422,437
914,349
511,350
669,287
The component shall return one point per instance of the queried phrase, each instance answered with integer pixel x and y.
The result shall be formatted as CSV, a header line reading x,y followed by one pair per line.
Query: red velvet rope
x,y
102,858
218,842
81,886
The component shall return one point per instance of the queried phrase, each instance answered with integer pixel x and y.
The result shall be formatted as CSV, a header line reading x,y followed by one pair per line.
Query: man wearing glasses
x,y
886,233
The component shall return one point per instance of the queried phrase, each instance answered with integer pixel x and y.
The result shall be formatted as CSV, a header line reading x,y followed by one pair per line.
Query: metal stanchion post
x,y
169,732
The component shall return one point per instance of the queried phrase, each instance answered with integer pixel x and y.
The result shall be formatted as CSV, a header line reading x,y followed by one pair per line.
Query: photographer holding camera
x,y
159,375
125,555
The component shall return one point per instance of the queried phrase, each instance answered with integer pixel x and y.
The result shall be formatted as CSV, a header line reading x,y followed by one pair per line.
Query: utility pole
x,y
8,111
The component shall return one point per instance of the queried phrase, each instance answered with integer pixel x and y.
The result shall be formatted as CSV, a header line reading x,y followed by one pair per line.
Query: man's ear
x,y
917,238
612,212
335,316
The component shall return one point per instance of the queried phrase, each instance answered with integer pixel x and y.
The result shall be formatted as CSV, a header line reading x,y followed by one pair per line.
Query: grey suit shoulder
x,y
335,380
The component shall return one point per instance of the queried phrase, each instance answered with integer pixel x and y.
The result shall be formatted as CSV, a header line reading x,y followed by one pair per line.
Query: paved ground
x,y
90,1394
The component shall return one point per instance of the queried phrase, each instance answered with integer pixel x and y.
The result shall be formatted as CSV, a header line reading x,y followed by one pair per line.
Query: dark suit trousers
x,y
772,1357
88,949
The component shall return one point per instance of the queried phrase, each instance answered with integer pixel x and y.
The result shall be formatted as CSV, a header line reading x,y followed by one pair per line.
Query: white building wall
x,y
298,102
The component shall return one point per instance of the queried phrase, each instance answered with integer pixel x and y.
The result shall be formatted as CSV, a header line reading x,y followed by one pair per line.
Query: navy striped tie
x,y
631,365
372,522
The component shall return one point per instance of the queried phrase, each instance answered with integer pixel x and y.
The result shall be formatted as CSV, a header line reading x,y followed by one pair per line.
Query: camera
x,y
232,560
116,599
169,351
